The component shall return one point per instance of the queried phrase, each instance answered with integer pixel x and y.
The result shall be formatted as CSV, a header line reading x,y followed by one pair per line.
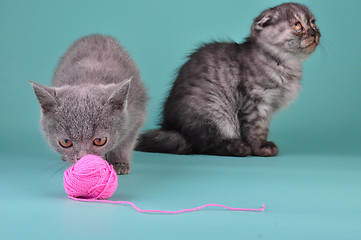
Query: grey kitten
x,y
96,104
224,96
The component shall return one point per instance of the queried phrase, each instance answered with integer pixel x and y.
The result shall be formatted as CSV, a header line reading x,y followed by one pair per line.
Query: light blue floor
x,y
315,196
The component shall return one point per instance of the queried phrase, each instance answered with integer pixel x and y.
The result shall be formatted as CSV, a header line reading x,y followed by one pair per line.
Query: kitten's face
x,y
287,30
81,120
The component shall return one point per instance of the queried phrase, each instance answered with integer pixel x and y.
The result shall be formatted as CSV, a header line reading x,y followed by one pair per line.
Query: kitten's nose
x,y
312,32
80,155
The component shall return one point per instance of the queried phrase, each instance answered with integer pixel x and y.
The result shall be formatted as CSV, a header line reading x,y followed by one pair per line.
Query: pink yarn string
x,y
170,212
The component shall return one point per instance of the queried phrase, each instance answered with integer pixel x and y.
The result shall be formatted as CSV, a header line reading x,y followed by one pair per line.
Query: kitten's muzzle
x,y
65,159
72,160
315,34
309,44
80,155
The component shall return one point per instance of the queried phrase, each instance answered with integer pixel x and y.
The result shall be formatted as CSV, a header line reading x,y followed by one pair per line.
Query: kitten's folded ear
x,y
119,96
45,96
263,20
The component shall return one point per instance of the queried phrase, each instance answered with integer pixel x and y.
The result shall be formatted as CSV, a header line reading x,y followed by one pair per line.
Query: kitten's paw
x,y
267,149
121,168
238,148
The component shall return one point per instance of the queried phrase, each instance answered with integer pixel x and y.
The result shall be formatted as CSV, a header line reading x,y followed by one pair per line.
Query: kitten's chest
x,y
286,86
282,95
272,99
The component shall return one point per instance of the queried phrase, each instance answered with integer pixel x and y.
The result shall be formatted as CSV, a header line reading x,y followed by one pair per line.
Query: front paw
x,y
121,168
267,149
238,148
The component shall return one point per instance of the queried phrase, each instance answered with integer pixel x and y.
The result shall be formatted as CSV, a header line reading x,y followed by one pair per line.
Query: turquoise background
x,y
312,190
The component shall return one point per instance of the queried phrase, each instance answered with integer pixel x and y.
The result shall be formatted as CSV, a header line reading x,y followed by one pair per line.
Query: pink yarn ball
x,y
91,178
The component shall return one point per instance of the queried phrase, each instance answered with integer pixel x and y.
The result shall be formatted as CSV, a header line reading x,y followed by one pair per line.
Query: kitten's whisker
x,y
50,166
62,168
326,49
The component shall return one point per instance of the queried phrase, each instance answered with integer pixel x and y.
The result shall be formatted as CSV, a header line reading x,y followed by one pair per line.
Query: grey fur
x,y
224,96
96,92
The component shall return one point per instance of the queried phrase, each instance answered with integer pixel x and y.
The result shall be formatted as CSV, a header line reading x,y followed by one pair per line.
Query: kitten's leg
x,y
229,147
254,129
211,126
207,138
120,158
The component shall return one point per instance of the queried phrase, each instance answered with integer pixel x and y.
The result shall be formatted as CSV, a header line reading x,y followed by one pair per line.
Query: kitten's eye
x,y
313,25
298,27
66,143
99,141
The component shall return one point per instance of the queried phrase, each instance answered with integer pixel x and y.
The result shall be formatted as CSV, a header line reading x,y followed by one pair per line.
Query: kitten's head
x,y
80,120
287,30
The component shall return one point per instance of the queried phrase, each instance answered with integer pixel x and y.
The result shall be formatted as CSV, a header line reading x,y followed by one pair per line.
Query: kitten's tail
x,y
163,141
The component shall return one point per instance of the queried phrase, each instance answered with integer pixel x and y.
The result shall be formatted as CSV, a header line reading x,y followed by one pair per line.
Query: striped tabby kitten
x,y
224,96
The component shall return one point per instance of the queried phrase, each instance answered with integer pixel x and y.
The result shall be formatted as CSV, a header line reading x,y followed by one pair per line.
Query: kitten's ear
x,y
119,96
45,96
263,20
